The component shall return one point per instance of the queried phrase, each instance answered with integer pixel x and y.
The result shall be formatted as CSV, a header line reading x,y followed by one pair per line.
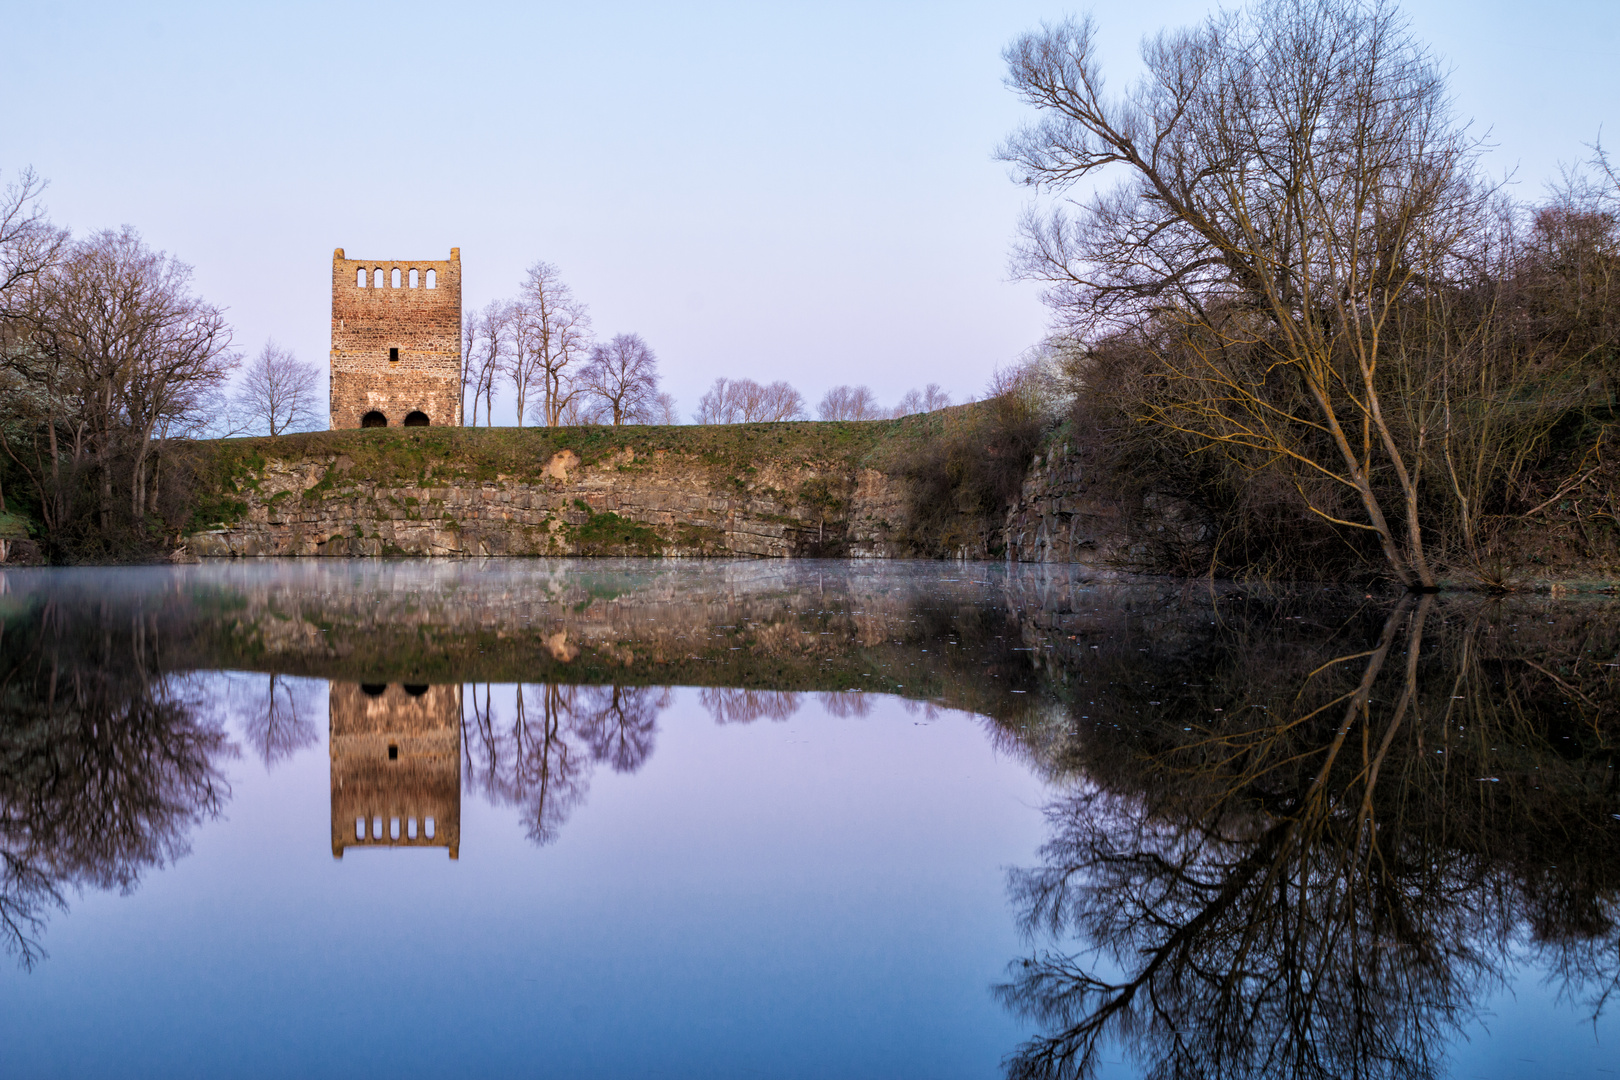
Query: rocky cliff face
x,y
626,504
1060,517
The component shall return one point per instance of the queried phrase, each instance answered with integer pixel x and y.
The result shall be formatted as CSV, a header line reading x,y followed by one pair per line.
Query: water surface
x,y
806,819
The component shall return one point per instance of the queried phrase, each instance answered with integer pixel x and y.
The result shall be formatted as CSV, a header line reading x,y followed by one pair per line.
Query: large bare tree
x,y
129,350
29,245
1290,180
278,392
622,379
558,329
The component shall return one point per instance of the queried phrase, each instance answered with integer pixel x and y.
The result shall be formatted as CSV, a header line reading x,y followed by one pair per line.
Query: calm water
x,y
810,819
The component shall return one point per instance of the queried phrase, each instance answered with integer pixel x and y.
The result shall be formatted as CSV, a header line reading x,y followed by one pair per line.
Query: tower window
x,y
393,354
377,278
394,278
360,279
433,279
393,752
413,277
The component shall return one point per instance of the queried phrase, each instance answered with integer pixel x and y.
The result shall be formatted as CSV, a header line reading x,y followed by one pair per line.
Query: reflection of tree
x,y
276,714
540,758
1316,881
107,761
729,705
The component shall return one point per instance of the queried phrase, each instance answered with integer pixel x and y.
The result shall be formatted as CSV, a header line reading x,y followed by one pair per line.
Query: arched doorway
x,y
416,419
374,419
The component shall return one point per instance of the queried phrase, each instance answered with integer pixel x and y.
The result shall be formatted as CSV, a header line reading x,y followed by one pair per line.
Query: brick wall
x,y
421,326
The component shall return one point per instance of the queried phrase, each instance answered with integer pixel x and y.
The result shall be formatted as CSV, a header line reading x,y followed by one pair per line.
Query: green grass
x,y
14,527
483,454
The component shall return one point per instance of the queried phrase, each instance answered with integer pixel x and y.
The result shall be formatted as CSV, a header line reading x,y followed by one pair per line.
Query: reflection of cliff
x,y
396,766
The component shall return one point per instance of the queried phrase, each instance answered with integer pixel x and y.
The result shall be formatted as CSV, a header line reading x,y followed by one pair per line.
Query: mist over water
x,y
808,819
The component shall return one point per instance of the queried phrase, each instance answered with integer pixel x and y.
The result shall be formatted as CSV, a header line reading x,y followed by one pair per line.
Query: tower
x,y
396,342
396,766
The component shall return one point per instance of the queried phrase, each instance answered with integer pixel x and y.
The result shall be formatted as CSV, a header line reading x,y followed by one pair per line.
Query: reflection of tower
x,y
396,766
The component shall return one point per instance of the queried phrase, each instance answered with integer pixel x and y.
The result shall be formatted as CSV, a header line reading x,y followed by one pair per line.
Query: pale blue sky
x,y
799,191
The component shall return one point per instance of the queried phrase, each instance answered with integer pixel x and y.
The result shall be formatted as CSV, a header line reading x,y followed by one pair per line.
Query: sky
x,y
789,191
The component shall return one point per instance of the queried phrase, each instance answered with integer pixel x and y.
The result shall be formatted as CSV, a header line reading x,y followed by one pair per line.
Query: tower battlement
x,y
396,341
396,766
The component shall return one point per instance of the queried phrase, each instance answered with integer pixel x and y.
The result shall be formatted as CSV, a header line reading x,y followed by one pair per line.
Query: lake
x,y
799,819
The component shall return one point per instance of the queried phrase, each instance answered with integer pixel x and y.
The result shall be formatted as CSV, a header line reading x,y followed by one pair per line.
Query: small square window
x,y
393,354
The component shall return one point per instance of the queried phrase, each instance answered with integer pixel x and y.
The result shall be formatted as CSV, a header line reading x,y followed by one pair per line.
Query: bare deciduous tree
x,y
29,245
850,403
622,378
559,329
129,349
664,410
469,350
278,392
929,399
744,401
1292,179
485,341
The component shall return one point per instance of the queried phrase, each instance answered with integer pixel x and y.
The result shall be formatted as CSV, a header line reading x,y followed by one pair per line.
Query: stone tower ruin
x,y
396,342
396,766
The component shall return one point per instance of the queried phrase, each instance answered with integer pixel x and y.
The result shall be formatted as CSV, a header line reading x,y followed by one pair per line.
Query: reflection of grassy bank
x,y
787,644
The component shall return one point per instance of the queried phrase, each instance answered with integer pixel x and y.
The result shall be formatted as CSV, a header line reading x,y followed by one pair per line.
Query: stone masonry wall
x,y
663,504
423,324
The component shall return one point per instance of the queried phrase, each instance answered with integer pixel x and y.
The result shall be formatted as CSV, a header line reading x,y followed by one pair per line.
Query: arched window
x,y
432,279
413,277
360,278
415,689
393,278
373,689
377,278
416,419
374,419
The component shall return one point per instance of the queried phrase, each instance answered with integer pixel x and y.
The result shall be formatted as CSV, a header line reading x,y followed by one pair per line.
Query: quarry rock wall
x,y
1061,517
623,505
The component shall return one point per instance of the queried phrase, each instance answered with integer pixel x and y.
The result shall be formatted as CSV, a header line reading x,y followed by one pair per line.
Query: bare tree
x,y
128,349
469,350
278,392
929,399
622,378
850,403
1292,179
29,245
744,401
559,329
663,410
523,342
486,345
718,405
